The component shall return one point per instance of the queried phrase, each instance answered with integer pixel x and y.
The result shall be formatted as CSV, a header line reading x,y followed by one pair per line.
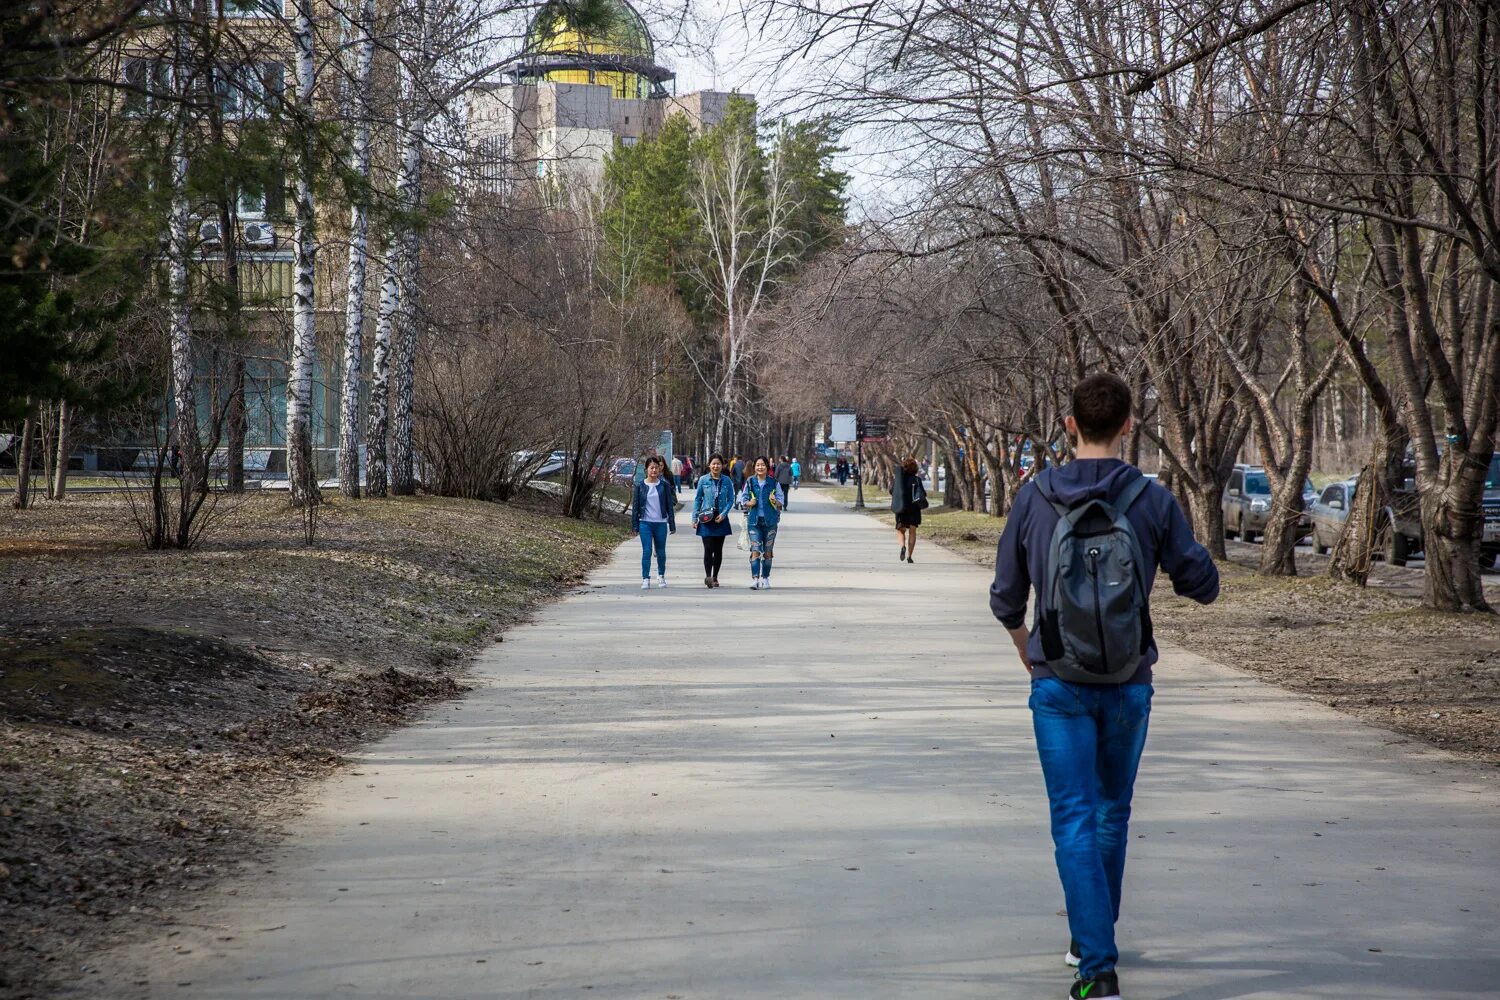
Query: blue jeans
x,y
1090,739
653,536
762,545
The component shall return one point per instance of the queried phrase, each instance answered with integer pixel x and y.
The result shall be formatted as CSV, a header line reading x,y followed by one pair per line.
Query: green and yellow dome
x,y
602,42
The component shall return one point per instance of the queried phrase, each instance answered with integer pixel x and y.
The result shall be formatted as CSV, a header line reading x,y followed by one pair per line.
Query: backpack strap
x,y
1130,494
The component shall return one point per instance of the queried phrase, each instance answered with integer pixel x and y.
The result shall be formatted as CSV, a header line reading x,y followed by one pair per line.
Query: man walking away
x,y
1087,538
784,476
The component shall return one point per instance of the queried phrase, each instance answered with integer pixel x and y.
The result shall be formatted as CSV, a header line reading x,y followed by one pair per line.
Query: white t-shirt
x,y
653,512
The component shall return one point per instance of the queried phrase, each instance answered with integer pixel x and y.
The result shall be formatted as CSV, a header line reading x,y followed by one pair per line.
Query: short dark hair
x,y
656,460
1101,405
759,459
714,456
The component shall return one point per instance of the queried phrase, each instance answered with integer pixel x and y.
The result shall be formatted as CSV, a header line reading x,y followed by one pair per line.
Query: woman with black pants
x,y
711,506
907,500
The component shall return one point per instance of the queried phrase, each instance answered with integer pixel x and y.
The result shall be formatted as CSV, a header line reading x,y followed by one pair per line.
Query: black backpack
x,y
1093,601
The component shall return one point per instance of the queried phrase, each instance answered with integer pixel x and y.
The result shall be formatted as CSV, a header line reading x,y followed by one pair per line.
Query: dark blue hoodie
x,y
1166,541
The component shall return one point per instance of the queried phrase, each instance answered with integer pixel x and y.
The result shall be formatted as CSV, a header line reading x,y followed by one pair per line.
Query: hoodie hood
x,y
1087,479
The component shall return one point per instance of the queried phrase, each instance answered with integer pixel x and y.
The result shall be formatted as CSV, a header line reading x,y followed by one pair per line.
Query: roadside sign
x,y
874,428
843,426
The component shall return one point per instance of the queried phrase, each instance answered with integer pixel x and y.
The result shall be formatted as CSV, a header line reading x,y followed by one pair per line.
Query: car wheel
x,y
1318,546
1397,549
1487,559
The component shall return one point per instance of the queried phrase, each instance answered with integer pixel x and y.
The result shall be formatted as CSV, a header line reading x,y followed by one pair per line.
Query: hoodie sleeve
x,y
1188,563
1012,584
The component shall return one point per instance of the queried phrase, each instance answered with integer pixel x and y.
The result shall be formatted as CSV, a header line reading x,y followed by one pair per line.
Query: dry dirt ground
x,y
1373,652
157,708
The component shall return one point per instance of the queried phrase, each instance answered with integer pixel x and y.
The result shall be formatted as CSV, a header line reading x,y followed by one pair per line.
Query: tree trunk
x,y
376,441
359,252
235,417
301,470
64,449
409,189
1354,552
1452,525
184,426
22,498
403,456
1206,511
45,438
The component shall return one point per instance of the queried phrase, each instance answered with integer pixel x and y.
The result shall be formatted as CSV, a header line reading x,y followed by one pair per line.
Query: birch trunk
x,y
376,456
183,434
359,253
403,454
409,192
64,447
301,473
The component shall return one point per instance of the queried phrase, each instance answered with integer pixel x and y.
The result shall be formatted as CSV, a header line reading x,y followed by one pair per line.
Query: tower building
x,y
571,94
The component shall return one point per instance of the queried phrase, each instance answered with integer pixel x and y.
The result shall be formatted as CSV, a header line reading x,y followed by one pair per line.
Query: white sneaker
x,y
661,581
646,583
765,583
755,583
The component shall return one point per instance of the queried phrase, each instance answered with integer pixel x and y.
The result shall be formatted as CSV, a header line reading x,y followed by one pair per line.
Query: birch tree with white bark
x,y
301,469
361,36
184,427
745,206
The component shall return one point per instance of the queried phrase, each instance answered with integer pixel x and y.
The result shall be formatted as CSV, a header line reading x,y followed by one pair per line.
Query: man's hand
x,y
1019,636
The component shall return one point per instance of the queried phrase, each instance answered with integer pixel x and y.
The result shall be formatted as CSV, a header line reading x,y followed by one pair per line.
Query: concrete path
x,y
828,790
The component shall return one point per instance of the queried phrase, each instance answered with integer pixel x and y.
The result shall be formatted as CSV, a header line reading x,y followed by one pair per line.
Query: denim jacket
x,y
668,503
709,500
764,509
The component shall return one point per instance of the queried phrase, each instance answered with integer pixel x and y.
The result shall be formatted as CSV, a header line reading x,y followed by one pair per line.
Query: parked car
x,y
622,471
1401,523
1329,512
1247,503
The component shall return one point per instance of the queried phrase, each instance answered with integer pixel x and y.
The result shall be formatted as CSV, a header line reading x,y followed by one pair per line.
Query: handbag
x,y
741,532
920,501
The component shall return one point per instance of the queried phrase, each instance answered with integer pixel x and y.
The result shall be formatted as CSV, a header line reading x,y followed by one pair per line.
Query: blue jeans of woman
x,y
1090,739
653,536
762,541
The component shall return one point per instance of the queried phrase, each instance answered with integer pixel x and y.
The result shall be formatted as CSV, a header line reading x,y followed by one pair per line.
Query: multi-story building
x,y
564,102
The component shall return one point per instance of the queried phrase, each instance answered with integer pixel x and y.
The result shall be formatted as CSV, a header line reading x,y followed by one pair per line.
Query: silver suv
x,y
1247,503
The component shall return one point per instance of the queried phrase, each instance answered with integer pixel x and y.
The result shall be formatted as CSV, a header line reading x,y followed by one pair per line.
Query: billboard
x,y
874,428
844,426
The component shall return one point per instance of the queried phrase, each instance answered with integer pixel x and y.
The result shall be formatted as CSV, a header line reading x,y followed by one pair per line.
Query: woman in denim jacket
x,y
653,516
763,502
711,506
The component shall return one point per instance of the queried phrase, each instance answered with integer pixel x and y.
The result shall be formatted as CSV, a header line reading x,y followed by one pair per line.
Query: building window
x,y
250,90
252,8
628,140
149,83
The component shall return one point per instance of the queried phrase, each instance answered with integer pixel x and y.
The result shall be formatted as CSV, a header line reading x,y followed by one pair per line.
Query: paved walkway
x,y
828,790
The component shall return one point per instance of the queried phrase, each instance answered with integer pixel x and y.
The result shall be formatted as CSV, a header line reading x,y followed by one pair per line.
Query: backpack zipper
x,y
1098,616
